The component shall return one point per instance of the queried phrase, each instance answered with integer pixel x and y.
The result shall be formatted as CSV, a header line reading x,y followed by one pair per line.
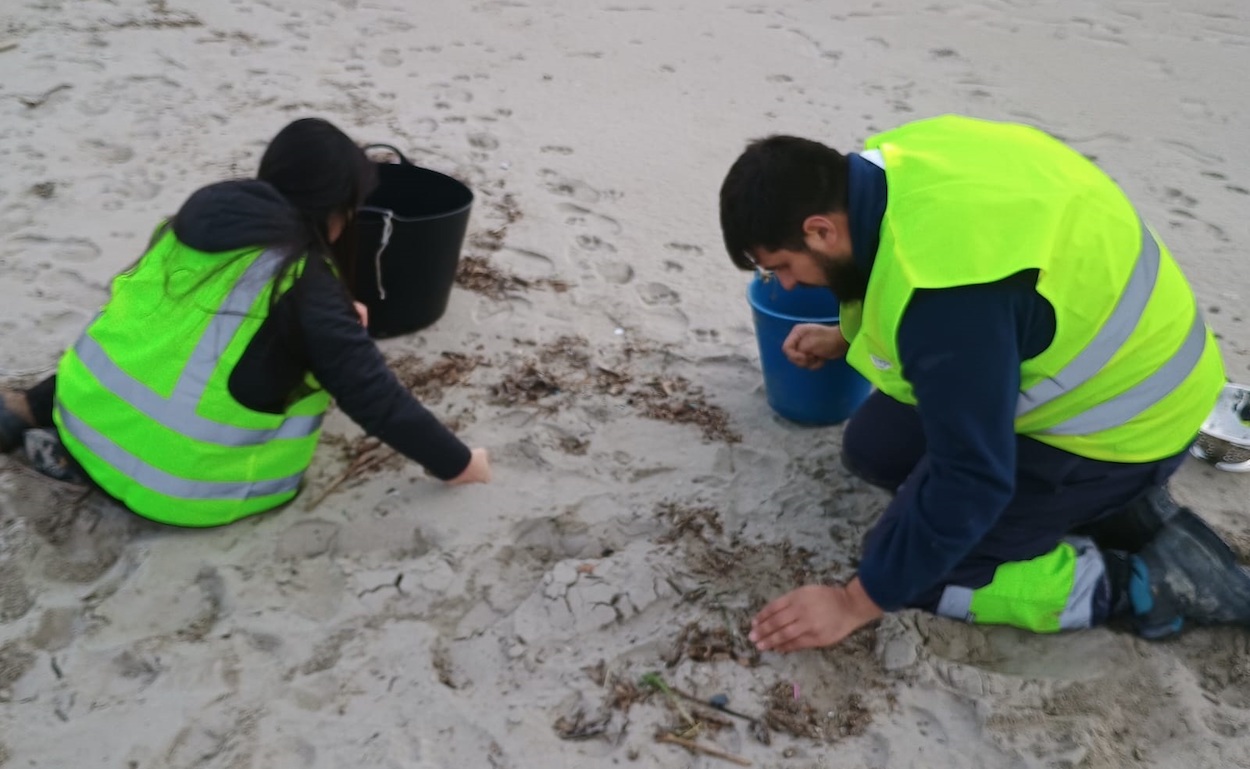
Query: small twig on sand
x,y
759,729
695,747
358,465
655,681
722,708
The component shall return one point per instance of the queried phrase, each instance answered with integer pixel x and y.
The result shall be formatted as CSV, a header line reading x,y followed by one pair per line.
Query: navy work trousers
x,y
1057,493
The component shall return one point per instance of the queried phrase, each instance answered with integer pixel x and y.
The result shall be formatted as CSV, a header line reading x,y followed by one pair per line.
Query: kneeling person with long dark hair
x,y
196,396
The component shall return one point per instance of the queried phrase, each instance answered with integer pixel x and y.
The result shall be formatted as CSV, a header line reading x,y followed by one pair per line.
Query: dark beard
x,y
847,282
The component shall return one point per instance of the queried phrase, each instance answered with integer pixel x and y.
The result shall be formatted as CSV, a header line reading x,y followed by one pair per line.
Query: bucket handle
x,y
387,228
403,159
387,215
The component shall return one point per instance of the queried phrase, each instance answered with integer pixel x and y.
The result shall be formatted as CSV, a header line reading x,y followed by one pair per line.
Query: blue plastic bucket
x,y
826,396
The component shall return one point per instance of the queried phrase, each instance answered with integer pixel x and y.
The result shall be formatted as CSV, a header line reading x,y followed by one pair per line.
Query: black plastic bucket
x,y
409,235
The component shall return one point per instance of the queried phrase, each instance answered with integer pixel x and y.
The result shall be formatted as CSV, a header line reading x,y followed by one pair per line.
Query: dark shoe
x,y
48,455
1187,573
1135,524
15,419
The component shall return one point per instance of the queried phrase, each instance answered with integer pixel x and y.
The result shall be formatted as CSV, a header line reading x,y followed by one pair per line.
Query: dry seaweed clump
x,y
427,381
622,693
566,366
700,644
15,661
797,717
527,384
479,275
678,401
163,18
560,367
572,445
781,558
580,726
611,382
699,522
365,456
568,349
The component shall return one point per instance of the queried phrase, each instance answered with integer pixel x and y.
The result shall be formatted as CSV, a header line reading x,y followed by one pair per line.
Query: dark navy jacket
x,y
961,350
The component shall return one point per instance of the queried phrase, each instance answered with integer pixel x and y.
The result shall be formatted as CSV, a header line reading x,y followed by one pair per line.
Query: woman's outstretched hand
x,y
478,470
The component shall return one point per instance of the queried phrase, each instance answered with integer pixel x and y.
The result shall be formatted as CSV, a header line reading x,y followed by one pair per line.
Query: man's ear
x,y
820,233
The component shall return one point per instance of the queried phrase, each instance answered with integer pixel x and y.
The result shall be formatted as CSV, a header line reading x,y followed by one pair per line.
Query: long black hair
x,y
322,173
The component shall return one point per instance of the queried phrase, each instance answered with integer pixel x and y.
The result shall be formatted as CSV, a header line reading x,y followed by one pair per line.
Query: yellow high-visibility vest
x,y
143,402
1132,371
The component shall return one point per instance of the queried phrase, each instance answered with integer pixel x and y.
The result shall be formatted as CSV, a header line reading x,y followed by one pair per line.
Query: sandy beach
x,y
646,501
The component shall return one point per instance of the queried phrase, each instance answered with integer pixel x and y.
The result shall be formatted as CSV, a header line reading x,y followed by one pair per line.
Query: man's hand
x,y
809,345
813,616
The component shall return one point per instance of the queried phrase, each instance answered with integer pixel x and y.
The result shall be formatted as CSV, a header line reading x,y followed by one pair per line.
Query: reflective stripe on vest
x,y
1113,335
178,411
158,480
1144,394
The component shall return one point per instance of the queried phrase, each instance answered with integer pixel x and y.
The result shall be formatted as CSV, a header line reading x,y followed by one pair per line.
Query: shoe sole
x,y
1203,574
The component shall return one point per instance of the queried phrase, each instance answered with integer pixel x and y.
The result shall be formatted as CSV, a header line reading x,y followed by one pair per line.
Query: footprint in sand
x,y
685,248
108,152
594,243
285,749
657,294
570,188
1225,724
1195,109
423,126
15,662
221,732
617,273
60,324
40,248
114,192
86,538
15,597
688,254
307,539
483,141
57,628
580,216
390,57
135,665
1219,660
449,94
526,264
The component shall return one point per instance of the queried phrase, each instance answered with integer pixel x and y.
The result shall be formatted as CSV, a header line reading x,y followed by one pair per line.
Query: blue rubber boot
x,y
1187,573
